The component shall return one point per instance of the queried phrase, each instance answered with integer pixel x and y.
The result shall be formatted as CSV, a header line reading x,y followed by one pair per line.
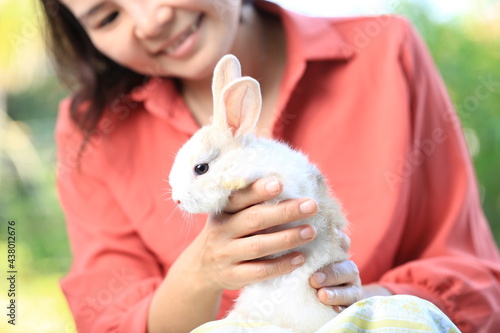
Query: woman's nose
x,y
151,22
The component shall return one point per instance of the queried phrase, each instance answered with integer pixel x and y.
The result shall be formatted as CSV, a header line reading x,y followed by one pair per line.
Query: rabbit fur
x,y
235,158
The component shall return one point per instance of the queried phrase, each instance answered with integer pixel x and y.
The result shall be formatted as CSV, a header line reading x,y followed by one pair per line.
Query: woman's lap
x,y
399,313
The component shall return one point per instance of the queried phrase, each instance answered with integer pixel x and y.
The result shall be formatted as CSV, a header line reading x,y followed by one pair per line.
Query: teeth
x,y
182,38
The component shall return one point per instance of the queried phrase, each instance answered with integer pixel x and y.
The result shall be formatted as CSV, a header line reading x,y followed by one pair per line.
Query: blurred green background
x,y
466,49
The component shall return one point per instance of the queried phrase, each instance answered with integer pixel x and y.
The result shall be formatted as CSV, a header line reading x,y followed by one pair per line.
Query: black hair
x,y
95,80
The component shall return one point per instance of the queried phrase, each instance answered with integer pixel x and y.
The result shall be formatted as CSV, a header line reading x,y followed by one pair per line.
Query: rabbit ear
x,y
242,101
227,70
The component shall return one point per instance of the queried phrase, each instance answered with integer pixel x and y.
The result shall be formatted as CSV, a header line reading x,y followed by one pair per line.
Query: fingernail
x,y
319,277
330,294
338,308
308,232
298,260
308,207
273,186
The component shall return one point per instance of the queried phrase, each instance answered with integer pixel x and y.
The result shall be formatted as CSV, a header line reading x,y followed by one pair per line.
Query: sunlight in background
x,y
442,9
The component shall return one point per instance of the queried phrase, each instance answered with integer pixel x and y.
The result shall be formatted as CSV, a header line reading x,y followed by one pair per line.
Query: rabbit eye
x,y
200,169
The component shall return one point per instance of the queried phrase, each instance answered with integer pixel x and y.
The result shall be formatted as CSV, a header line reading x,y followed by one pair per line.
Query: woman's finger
x,y
260,270
345,241
342,295
261,245
261,217
257,192
339,308
344,272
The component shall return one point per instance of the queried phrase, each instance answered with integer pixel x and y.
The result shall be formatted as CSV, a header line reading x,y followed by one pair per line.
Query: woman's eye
x,y
108,19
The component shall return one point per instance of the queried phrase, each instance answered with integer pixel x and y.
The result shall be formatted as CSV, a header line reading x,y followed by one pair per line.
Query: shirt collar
x,y
307,39
310,38
160,98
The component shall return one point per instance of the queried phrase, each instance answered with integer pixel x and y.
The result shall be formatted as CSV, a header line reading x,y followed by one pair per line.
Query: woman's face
x,y
176,38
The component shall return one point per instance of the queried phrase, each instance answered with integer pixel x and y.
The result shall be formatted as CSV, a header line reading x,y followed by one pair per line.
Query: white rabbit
x,y
226,156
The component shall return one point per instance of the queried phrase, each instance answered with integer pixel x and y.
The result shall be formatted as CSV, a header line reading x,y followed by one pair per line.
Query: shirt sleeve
x,y
113,275
447,253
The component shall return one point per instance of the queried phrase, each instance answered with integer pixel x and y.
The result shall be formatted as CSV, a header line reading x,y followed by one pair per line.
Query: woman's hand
x,y
338,284
233,242
226,255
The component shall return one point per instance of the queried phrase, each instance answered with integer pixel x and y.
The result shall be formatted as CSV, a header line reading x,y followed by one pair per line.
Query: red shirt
x,y
362,98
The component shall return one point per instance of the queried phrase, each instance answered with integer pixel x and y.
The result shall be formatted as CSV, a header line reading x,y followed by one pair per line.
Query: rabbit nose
x,y
176,199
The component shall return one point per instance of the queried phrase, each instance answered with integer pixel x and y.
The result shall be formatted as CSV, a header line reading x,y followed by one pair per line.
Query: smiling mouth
x,y
181,38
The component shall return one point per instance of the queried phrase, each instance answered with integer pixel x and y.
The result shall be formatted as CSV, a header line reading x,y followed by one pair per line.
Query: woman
x,y
360,96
